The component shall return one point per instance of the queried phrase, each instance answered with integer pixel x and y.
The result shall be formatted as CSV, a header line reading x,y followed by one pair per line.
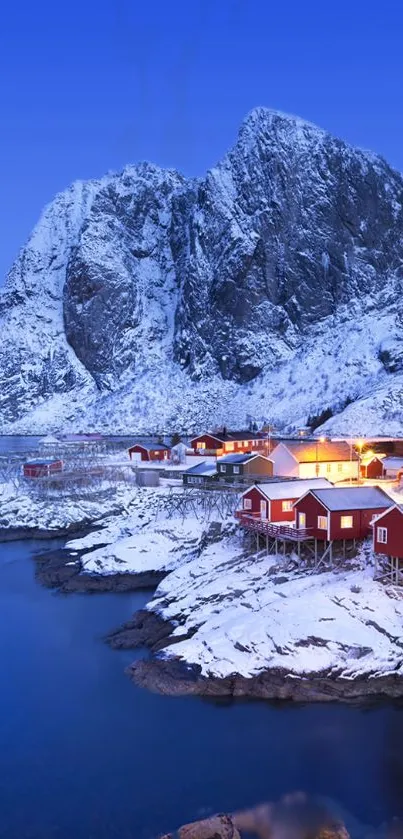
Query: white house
x,y
393,466
336,461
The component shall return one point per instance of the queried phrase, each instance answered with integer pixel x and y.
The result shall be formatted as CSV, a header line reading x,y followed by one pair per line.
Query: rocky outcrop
x,y
65,571
295,815
172,677
144,294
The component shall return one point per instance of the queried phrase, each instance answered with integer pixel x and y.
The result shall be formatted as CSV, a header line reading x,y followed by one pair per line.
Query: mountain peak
x,y
269,118
162,301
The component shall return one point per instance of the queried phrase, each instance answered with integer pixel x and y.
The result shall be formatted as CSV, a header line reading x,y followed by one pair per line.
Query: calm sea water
x,y
85,753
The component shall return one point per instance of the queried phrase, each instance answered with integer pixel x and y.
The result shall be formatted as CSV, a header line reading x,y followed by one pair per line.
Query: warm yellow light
x,y
322,439
360,443
369,452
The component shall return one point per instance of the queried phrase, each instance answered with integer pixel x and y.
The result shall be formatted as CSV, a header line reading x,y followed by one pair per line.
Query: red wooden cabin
x,y
237,442
155,451
275,500
372,466
41,468
388,532
340,513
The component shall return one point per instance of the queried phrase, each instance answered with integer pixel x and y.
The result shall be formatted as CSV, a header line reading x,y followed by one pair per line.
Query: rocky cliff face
x,y
270,288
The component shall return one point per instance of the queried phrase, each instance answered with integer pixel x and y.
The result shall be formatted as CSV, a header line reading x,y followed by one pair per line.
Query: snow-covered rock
x,y
242,625
270,288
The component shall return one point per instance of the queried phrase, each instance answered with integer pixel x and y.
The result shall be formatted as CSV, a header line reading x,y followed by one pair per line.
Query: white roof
x,y
369,457
279,490
393,462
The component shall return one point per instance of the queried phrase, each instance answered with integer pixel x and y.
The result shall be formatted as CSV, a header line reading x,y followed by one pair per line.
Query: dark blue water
x,y
85,753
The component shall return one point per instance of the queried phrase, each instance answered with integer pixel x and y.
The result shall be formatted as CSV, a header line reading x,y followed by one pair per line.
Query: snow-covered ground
x,y
139,541
246,616
23,506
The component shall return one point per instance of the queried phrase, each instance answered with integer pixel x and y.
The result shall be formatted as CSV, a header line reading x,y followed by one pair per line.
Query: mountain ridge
x,y
145,299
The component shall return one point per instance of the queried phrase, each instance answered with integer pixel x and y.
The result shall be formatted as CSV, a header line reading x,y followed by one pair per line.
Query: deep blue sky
x,y
89,85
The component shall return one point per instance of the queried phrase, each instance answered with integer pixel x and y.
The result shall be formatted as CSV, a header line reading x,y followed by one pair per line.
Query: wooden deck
x,y
275,531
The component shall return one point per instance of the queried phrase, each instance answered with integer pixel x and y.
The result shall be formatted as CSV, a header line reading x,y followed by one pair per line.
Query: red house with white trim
x,y
371,466
234,442
155,451
275,500
340,512
388,532
42,468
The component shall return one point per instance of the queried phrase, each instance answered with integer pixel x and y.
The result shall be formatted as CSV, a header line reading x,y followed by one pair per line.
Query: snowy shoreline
x,y
224,622
230,625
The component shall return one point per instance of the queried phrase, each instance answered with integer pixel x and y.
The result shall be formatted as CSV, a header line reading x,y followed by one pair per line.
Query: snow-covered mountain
x,y
271,289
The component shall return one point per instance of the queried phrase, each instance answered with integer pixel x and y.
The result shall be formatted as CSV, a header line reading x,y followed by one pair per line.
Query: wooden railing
x,y
276,531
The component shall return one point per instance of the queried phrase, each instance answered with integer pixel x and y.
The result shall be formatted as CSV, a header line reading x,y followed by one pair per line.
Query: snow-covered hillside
x,y
270,289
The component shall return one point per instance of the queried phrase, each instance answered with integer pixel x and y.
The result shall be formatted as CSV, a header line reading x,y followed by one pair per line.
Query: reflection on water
x,y
85,753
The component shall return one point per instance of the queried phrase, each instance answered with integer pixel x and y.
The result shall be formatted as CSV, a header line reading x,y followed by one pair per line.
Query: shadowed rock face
x,y
224,275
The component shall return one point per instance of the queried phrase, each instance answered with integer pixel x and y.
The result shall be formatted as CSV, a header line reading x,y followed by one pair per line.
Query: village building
x,y
241,467
200,474
42,468
152,452
275,501
334,460
179,452
371,465
219,443
340,513
388,540
393,467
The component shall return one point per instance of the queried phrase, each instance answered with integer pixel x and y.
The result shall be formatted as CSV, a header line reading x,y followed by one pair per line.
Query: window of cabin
x,y
236,470
286,506
200,445
223,468
229,447
322,522
382,535
346,522
339,467
247,503
328,467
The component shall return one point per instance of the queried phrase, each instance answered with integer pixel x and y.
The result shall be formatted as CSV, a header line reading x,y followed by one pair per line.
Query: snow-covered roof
x,y
393,462
238,458
41,462
279,490
49,441
227,436
151,447
368,457
352,498
207,469
312,451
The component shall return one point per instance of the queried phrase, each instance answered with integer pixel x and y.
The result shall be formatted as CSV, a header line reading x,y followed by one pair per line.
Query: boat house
x,y
340,513
147,453
275,500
